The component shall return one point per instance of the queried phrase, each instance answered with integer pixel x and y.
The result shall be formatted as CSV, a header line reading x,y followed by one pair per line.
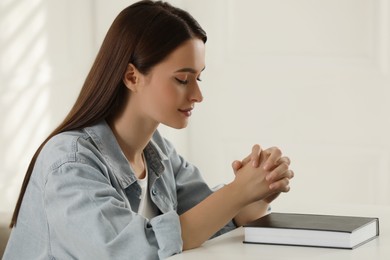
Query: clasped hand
x,y
262,176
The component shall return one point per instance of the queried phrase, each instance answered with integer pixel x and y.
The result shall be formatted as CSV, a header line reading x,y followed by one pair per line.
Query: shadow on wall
x,y
24,92
24,74
45,48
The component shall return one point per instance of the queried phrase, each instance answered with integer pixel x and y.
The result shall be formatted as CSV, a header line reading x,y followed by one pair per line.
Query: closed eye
x,y
183,82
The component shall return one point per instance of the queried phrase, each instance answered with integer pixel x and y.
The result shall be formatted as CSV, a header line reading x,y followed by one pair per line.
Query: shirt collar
x,y
105,140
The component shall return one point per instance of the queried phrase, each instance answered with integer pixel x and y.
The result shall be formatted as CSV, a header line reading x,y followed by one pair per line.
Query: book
x,y
312,230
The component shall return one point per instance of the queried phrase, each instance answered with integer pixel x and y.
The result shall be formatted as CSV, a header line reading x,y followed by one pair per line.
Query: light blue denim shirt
x,y
82,201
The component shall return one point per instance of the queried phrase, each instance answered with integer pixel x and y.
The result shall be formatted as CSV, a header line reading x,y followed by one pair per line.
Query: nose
x,y
196,94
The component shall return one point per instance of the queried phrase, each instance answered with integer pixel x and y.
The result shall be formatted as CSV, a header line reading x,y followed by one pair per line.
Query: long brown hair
x,y
143,34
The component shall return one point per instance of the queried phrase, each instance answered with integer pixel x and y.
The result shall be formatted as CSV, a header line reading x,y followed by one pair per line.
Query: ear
x,y
132,78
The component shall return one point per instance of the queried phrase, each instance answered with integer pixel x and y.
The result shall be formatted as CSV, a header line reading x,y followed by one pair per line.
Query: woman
x,y
106,185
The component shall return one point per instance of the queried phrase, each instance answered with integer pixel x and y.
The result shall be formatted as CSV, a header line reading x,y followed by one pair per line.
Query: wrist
x,y
251,212
238,194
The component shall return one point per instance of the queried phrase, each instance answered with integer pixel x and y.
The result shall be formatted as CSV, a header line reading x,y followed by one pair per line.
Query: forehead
x,y
190,54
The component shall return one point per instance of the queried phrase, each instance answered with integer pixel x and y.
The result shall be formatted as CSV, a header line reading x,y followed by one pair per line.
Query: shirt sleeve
x,y
88,219
190,186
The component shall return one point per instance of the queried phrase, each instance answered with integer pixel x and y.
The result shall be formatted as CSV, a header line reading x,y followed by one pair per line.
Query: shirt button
x,y
154,192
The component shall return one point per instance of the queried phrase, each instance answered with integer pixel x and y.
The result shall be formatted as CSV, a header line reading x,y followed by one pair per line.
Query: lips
x,y
187,111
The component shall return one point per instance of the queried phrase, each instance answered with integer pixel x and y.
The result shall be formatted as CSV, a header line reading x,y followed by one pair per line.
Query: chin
x,y
177,125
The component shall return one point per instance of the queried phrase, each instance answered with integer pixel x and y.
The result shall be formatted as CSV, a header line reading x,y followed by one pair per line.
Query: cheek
x,y
164,96
168,91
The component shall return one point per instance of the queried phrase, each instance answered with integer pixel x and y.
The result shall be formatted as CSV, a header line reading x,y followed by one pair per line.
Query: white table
x,y
230,246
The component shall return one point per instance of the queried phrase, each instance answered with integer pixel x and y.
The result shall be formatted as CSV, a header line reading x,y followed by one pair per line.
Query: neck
x,y
133,133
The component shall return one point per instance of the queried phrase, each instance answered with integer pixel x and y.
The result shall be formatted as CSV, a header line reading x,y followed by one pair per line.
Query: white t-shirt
x,y
146,208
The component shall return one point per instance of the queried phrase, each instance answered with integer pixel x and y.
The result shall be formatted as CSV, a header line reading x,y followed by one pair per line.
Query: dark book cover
x,y
311,222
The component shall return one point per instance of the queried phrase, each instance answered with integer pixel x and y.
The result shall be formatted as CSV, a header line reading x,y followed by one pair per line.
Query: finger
x,y
280,172
236,165
274,155
246,159
272,197
282,185
283,159
279,175
255,155
291,174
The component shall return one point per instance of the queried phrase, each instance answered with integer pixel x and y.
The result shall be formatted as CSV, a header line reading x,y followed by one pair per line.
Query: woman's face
x,y
171,89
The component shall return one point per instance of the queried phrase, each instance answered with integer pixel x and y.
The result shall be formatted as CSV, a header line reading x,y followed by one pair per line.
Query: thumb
x,y
236,165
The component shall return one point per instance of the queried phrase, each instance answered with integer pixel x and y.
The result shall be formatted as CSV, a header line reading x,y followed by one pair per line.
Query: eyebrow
x,y
190,70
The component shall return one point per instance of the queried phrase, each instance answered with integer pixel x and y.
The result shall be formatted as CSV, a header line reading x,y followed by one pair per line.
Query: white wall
x,y
44,56
311,77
